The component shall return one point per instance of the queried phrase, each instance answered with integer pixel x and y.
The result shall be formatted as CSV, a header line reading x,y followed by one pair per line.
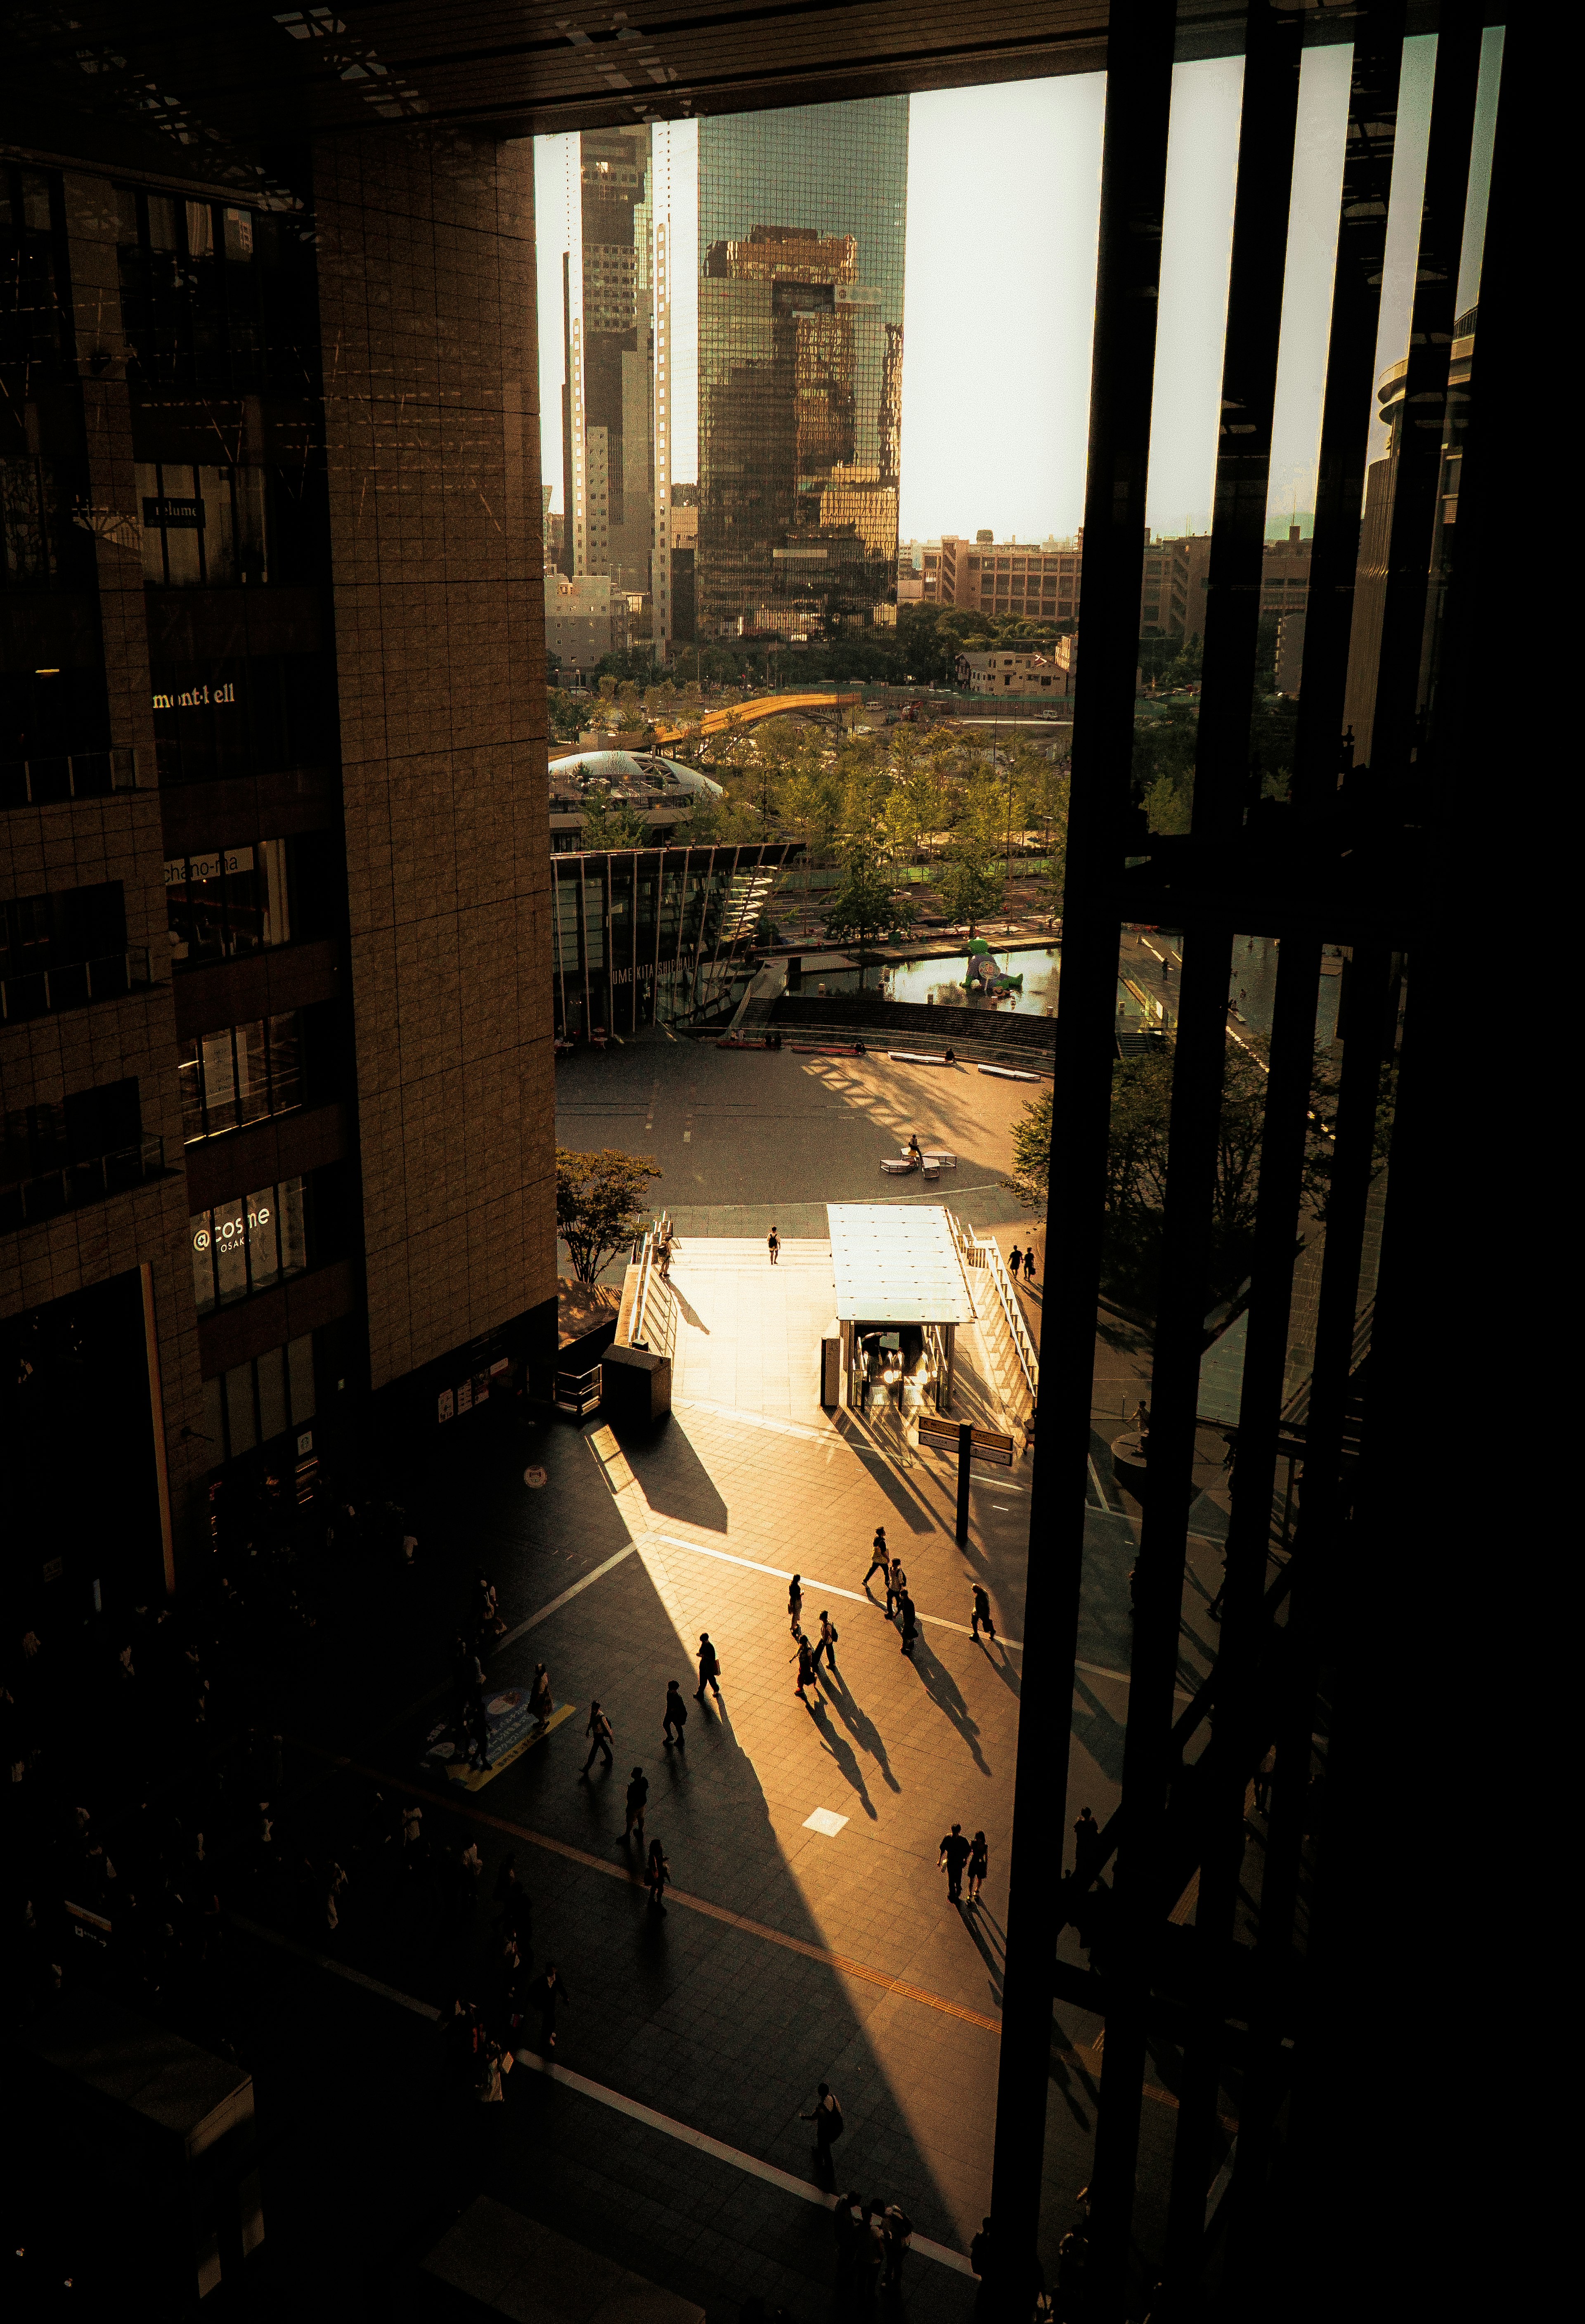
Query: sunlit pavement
x,y
794,1949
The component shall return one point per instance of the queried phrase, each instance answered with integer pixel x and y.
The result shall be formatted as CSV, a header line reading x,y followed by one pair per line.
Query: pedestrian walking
x,y
1086,1846
879,1558
795,1603
638,1794
1263,1775
955,1854
910,1622
1014,1259
773,1243
548,1993
807,1674
897,2229
709,1669
540,1703
982,1616
896,1581
598,1731
826,1643
829,2125
979,1864
1030,1264
676,1714
657,1873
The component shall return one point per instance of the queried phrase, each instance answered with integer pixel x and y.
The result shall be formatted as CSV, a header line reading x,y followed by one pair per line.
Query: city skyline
x,y
1020,468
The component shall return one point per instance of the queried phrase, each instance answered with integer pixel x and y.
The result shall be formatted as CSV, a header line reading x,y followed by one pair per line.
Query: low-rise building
x,y
1011,672
1036,579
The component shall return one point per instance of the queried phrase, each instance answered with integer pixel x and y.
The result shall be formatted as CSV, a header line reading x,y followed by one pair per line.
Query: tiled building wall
x,y
79,844
426,311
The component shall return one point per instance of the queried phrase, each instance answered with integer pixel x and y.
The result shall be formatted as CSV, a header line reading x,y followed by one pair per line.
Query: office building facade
x,y
618,392
271,824
801,227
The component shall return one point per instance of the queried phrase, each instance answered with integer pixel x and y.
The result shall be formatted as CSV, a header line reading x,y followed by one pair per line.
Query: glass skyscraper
x,y
801,227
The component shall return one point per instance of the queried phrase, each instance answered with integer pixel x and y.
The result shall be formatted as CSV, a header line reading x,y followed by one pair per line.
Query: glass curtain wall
x,y
801,227
661,936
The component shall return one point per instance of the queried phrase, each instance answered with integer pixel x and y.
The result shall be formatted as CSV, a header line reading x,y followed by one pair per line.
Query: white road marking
x,y
941,2253
555,1604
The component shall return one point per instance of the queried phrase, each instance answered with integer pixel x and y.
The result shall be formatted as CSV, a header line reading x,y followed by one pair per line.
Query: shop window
x,y
261,1399
233,901
203,527
248,1244
242,1073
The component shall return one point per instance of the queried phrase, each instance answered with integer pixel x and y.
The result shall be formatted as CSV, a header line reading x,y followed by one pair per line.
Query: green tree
x,y
970,886
1031,1178
610,823
600,1204
864,912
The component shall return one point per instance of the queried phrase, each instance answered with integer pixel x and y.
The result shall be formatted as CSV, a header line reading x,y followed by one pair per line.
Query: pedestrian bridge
x,y
824,709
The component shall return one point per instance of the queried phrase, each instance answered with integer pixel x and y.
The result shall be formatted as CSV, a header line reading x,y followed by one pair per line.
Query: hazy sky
x,y
1004,190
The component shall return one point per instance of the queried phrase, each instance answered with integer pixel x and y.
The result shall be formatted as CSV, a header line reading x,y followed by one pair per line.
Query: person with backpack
x,y
897,2230
826,1643
880,1560
709,1669
829,2125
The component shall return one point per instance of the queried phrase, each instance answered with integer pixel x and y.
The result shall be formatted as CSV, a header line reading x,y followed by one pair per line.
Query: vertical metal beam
x,y
1267,118
1140,54
1345,419
1424,425
1140,1902
1238,1666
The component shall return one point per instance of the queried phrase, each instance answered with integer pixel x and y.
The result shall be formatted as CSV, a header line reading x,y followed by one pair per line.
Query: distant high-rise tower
x,y
608,401
801,228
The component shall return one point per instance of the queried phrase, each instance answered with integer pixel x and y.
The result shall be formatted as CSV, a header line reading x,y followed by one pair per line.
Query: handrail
x,y
71,983
982,1251
79,774
49,1192
651,1280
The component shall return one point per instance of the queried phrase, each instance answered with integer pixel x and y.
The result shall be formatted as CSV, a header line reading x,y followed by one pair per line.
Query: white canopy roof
x,y
897,1263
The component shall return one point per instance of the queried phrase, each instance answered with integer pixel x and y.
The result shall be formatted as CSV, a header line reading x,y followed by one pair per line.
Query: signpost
x,y
988,1444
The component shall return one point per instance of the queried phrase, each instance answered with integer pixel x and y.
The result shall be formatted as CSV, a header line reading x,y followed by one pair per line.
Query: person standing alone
x,y
827,2118
773,1244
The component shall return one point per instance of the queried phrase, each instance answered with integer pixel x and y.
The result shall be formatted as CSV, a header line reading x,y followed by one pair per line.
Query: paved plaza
x,y
809,1935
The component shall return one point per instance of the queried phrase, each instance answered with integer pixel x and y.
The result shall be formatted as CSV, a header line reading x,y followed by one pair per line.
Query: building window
x,y
64,948
241,1075
56,1158
231,902
260,1399
248,1244
203,527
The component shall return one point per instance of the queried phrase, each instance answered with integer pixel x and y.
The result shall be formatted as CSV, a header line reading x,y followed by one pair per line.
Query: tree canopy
x,y
600,1204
